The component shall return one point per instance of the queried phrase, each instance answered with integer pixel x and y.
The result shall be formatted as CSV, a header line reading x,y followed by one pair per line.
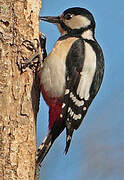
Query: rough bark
x,y
19,96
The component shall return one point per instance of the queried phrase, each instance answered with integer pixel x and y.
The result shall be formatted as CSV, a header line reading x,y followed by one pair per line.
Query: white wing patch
x,y
87,73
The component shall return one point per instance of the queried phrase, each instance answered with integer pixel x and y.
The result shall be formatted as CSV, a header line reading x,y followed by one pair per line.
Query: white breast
x,y
54,68
87,73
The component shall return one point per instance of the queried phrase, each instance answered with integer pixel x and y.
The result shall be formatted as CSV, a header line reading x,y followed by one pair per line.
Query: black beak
x,y
51,19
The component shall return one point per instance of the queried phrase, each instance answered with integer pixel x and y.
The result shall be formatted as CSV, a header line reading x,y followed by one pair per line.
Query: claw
x,y
33,63
29,45
35,60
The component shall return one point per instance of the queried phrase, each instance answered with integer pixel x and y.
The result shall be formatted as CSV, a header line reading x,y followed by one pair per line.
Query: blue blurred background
x,y
97,149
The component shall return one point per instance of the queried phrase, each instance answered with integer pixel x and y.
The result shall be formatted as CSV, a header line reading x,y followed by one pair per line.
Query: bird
x,y
71,75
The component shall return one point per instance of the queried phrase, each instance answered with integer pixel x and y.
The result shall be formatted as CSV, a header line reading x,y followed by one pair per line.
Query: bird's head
x,y
75,21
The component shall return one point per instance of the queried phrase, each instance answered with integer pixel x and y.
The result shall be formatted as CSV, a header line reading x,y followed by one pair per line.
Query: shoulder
x,y
95,45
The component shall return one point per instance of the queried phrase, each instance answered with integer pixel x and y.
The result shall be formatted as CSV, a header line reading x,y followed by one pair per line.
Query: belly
x,y
53,76
53,72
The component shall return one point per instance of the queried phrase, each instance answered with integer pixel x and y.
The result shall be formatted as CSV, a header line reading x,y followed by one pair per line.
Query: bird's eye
x,y
68,16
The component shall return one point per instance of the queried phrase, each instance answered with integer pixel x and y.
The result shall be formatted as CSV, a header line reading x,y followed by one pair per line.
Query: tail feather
x,y
69,134
48,141
44,148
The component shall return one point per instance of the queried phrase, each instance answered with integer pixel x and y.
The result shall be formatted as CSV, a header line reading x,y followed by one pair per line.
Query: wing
x,y
82,75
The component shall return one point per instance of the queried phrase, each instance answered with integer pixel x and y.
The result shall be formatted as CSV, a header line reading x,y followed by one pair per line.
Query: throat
x,y
88,34
61,30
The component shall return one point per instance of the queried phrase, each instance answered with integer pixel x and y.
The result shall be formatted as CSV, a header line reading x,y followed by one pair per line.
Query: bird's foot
x,y
35,60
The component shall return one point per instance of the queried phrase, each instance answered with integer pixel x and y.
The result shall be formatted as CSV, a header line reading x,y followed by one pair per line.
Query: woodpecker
x,y
71,75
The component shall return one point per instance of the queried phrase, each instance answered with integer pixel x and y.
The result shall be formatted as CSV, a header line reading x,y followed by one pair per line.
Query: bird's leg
x,y
34,61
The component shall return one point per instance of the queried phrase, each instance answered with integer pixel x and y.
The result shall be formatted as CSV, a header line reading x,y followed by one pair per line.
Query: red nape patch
x,y
54,114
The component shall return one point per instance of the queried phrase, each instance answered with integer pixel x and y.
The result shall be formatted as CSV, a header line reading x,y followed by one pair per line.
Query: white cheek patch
x,y
77,22
87,73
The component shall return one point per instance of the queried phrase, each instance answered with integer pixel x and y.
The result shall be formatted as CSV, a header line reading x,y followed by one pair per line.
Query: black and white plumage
x,y
84,76
72,74
83,73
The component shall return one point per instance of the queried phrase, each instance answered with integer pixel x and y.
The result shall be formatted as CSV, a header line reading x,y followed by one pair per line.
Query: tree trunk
x,y
19,96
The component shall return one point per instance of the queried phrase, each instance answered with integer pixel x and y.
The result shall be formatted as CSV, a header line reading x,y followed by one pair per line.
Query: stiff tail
x,y
48,141
44,148
69,133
